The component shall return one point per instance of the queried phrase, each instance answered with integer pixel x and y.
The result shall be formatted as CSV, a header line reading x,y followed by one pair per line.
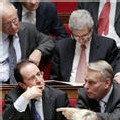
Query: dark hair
x,y
17,74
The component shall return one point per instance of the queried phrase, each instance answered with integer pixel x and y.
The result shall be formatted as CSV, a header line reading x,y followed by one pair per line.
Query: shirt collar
x,y
105,99
25,10
4,36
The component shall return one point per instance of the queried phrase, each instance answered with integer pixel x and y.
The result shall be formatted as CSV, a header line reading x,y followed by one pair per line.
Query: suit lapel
x,y
117,14
69,59
47,105
110,101
23,40
94,49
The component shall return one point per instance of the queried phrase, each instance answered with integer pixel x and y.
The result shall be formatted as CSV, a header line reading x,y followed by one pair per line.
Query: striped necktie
x,y
35,114
81,69
12,60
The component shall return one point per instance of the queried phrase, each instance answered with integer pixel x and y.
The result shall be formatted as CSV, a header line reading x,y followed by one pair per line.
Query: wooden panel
x,y
64,18
71,90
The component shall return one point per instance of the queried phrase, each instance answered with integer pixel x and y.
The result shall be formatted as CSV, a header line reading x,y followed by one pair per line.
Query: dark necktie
x,y
103,22
81,70
12,60
35,114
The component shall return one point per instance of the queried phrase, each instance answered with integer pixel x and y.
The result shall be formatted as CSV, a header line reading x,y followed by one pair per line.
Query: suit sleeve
x,y
45,44
38,40
61,101
115,115
10,113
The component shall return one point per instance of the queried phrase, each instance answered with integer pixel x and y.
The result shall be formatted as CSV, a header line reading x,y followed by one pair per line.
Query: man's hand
x,y
33,92
35,56
68,112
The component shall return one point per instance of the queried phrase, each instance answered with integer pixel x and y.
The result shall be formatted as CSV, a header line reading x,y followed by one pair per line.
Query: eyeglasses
x,y
84,36
13,21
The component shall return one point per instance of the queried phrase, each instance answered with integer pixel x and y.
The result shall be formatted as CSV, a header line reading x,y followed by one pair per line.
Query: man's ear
x,y
107,82
22,85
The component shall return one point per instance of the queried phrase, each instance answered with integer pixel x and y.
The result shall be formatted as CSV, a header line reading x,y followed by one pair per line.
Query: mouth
x,y
41,86
89,93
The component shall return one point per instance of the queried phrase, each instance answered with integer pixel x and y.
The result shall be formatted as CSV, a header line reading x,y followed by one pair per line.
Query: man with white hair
x,y
100,94
68,54
19,41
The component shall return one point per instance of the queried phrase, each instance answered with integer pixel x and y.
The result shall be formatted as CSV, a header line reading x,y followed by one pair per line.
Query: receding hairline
x,y
6,7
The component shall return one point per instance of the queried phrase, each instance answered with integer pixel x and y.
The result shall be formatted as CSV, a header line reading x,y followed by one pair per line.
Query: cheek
x,y
98,91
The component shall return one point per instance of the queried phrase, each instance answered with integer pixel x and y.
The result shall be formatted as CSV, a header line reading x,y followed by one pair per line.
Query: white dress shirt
x,y
4,54
104,101
21,104
111,33
76,59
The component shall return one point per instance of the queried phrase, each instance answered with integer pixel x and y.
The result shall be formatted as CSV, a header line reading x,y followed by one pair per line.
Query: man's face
x,y
32,76
94,85
31,5
82,36
10,23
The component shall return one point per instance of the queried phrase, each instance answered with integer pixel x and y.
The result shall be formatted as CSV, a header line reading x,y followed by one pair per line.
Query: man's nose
x,y
13,25
86,85
34,1
37,78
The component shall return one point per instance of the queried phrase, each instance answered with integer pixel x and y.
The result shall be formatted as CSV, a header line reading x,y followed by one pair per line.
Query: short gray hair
x,y
103,67
80,19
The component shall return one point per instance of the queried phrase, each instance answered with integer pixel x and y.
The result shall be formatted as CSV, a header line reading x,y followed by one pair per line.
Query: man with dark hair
x,y
31,87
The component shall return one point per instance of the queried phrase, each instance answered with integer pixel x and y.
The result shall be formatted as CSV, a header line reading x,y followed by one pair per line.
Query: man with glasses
x,y
72,55
31,87
19,41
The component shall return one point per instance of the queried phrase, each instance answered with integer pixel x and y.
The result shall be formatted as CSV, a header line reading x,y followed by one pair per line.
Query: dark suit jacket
x,y
112,111
52,99
31,39
93,8
101,48
47,20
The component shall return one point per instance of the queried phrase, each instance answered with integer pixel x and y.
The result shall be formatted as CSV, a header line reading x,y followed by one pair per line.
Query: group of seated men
x,y
22,40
